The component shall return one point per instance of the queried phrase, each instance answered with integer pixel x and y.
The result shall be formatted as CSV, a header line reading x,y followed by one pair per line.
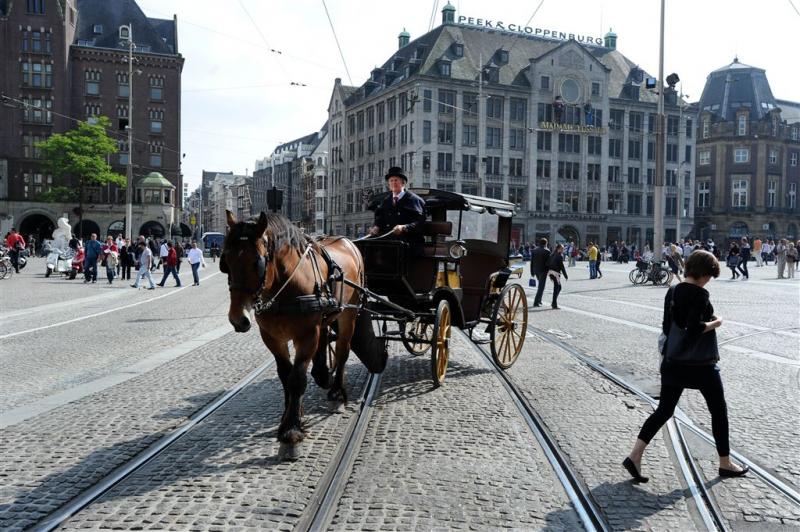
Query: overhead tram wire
x,y
433,14
349,77
791,3
263,38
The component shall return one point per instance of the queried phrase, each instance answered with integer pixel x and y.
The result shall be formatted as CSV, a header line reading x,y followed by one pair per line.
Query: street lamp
x,y
658,189
126,38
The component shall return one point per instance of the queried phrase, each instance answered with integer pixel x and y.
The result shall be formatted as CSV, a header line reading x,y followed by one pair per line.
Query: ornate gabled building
x,y
562,125
65,61
748,146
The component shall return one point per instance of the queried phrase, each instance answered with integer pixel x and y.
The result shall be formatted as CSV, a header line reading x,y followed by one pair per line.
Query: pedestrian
x,y
163,252
791,259
127,259
179,253
744,256
675,261
92,251
555,269
195,257
214,253
145,263
170,262
688,311
31,245
15,243
110,258
540,258
733,260
757,252
597,264
592,252
780,257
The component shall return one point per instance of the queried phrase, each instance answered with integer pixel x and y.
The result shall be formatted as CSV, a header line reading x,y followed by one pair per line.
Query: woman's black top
x,y
556,263
734,250
691,310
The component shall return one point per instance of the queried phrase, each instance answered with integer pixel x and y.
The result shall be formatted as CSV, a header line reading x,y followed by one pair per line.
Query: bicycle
x,y
657,272
6,268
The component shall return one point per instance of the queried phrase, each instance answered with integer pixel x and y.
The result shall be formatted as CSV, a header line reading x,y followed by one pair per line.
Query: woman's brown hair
x,y
701,263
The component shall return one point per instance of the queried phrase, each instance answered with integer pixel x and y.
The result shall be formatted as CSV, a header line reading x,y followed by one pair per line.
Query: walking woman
x,y
733,260
744,256
688,310
555,269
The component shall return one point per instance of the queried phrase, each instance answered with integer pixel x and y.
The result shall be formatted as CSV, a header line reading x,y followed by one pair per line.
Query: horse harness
x,y
326,299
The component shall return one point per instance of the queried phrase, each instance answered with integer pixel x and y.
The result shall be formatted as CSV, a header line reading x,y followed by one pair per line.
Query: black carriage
x,y
457,277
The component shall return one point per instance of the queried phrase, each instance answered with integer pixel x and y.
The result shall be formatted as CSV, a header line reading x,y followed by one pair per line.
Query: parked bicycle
x,y
656,272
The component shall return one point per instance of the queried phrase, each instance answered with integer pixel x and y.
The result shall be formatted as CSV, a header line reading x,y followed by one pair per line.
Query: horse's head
x,y
244,258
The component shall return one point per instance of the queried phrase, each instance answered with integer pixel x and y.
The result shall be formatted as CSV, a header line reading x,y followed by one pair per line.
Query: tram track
x,y
124,471
680,421
579,494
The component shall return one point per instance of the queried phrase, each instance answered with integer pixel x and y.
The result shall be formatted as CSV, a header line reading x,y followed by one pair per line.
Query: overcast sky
x,y
238,101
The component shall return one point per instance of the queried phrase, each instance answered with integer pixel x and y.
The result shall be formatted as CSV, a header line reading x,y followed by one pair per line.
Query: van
x,y
210,238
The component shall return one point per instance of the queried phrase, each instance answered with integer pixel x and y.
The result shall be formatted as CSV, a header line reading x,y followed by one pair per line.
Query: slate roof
x,y
482,44
734,86
155,36
790,111
308,139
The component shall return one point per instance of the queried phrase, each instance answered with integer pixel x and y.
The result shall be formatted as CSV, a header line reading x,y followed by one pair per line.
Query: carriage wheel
x,y
417,336
640,277
440,344
632,276
509,325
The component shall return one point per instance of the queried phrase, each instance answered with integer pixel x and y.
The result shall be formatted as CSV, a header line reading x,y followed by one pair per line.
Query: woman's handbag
x,y
690,349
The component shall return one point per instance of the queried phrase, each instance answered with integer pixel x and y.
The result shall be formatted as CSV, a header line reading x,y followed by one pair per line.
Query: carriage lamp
x,y
458,250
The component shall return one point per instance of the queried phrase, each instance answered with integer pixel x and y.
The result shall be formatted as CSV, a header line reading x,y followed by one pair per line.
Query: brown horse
x,y
274,269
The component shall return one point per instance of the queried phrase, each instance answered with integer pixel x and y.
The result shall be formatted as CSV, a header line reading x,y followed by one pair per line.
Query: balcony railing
x,y
445,174
518,180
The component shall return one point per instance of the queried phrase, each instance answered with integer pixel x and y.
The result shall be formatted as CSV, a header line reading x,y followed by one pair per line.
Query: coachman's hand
x,y
398,229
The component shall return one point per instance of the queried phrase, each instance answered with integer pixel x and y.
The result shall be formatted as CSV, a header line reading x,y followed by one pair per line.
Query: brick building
x,y
64,61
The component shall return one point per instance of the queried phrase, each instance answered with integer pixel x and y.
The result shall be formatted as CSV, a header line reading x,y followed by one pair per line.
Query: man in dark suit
x,y
402,212
539,260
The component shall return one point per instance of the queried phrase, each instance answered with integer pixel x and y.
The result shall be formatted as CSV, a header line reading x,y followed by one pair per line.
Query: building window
x,y
792,195
704,157
614,203
706,128
568,201
445,133
156,150
741,125
544,83
543,199
493,165
444,69
615,148
92,78
634,204
447,101
634,176
515,167
569,170
614,173
595,145
123,87
517,139
494,137
34,7
635,122
773,156
739,189
518,196
772,192
672,126
703,194
688,128
156,88
371,117
470,104
494,191
634,149
427,103
672,153
741,155
542,168
595,89
37,110
593,172
494,107
795,133
544,112
37,75
469,164
470,135
569,143
518,111
391,105
616,119
392,138
156,120
426,131
544,141
793,159
381,141
380,109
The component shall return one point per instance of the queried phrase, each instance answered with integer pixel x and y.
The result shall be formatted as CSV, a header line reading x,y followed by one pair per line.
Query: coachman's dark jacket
x,y
409,211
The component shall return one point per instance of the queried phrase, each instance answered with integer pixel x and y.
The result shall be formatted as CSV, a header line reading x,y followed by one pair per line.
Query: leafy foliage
x,y
58,194
82,153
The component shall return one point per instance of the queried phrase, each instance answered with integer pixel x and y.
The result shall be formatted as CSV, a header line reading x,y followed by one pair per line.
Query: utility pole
x,y
129,180
481,126
681,178
658,192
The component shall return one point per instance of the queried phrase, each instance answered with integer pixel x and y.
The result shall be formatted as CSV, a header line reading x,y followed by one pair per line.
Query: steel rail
x,y
323,504
579,495
774,481
108,482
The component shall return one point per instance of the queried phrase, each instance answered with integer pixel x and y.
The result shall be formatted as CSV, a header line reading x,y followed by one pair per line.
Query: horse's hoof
x,y
322,378
290,452
340,408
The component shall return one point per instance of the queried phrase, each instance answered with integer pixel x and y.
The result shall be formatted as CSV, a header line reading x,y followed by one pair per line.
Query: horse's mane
x,y
282,232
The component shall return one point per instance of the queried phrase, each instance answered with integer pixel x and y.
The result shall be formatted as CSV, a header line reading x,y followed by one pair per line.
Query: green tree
x,y
81,154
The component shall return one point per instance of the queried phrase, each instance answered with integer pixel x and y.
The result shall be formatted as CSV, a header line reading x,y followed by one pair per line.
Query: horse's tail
x,y
368,348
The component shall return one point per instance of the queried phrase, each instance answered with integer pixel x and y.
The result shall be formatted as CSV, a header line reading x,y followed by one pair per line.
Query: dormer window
x,y
706,128
491,74
98,29
458,49
741,125
502,57
444,68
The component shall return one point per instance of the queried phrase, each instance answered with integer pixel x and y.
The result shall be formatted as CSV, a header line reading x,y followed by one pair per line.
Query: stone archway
x,y
38,225
152,229
84,229
569,234
116,228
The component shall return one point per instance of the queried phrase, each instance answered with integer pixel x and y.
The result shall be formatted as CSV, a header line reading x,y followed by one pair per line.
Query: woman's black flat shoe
x,y
731,473
631,467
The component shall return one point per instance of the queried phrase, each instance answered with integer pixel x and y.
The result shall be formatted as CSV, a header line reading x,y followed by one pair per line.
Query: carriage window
x,y
475,225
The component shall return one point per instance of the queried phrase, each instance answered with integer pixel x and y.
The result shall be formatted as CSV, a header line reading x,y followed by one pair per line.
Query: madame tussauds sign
x,y
528,30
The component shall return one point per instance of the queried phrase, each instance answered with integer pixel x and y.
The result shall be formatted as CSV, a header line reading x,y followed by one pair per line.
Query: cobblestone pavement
x,y
53,457
456,457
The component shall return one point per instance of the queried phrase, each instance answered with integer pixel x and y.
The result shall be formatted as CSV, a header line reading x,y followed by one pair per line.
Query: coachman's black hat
x,y
396,171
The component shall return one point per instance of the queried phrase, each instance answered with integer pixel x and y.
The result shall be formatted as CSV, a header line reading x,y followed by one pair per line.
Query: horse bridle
x,y
261,268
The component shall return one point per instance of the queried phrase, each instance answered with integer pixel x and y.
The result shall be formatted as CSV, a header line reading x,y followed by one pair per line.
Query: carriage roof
x,y
454,201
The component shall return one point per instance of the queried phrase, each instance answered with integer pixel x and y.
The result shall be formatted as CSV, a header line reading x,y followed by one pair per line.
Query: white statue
x,y
62,234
